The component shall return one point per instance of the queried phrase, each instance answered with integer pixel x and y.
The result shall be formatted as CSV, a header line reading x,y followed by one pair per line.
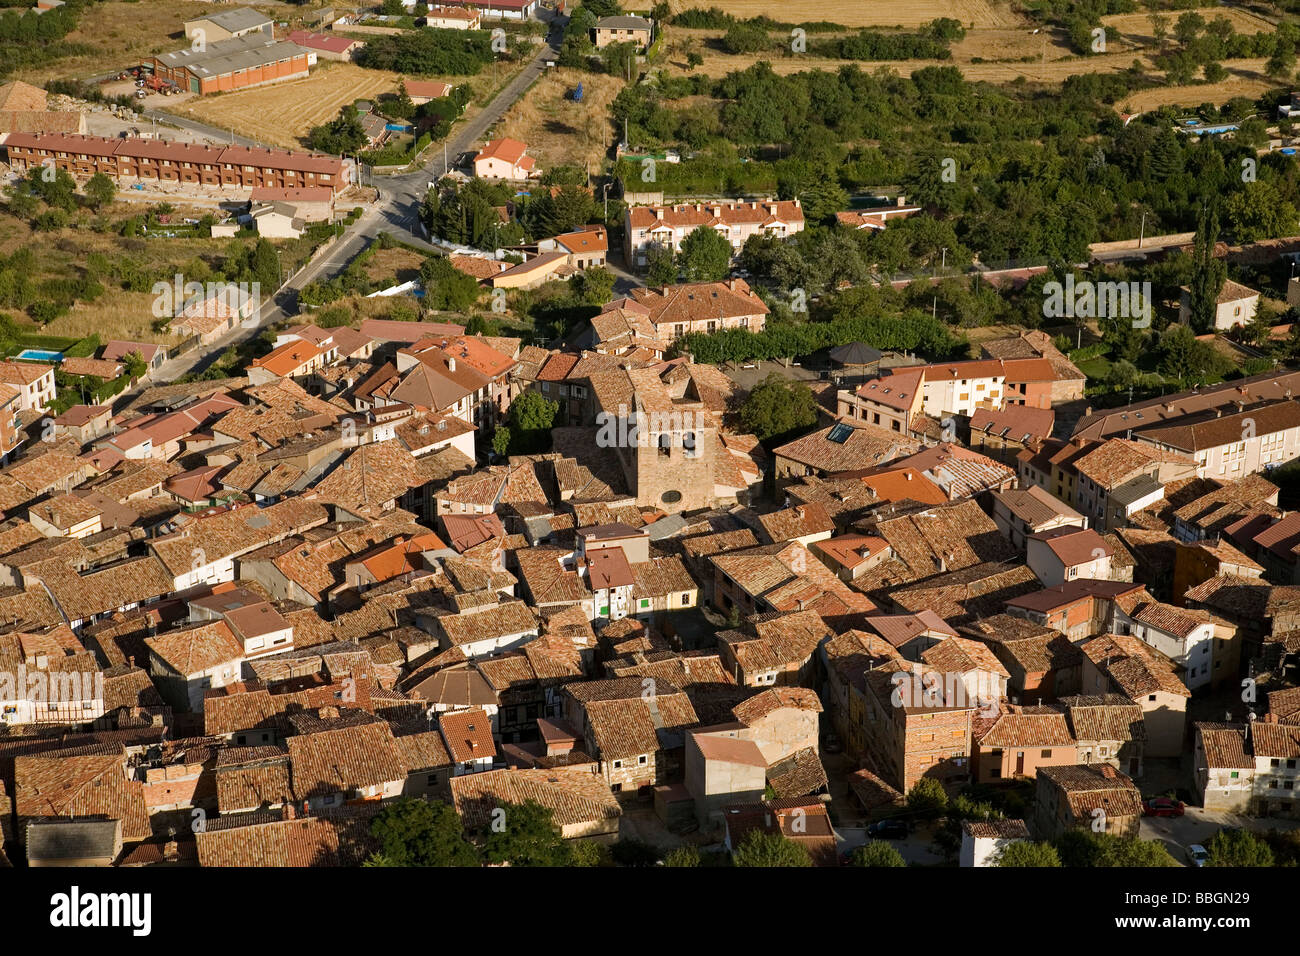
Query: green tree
x,y
1260,211
746,38
414,832
134,365
684,855
927,798
661,267
694,61
1024,853
705,255
777,408
1209,273
877,853
1084,848
532,416
501,440
769,850
264,263
343,134
527,836
446,288
99,191
590,853
55,186
594,286
1238,848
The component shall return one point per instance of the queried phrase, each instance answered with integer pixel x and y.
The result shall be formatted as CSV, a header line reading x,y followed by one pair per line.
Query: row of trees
x,y
911,331
429,52
420,833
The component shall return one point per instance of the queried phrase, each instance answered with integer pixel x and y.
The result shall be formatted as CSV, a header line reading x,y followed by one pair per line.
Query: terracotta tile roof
x,y
78,784
81,596
343,759
222,533
1088,787
796,522
957,655
468,735
250,777
573,795
1136,668
1118,460
505,149
1225,746
340,838
197,649
797,775
1074,546
699,302
767,702
508,619
714,213
1028,727
1104,717
1180,622
625,728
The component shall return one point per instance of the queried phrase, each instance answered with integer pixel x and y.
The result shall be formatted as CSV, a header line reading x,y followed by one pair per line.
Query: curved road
x,y
396,211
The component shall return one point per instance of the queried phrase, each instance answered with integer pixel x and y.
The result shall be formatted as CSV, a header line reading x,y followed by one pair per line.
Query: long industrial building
x,y
234,167
234,64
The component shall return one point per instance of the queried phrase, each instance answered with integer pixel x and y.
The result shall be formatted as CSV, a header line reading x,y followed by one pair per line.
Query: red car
x,y
1162,807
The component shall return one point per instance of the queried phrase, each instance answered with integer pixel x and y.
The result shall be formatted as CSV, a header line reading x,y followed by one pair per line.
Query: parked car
x,y
1162,807
1196,855
892,829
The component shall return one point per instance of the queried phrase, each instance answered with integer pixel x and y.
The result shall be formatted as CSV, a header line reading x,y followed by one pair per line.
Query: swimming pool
x,y
40,355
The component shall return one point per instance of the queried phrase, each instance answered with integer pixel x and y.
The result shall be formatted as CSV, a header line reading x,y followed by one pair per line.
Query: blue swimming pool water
x,y
40,355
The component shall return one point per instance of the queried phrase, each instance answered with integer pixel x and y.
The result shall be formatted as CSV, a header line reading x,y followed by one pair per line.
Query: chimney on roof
x,y
451,364
1107,771
287,811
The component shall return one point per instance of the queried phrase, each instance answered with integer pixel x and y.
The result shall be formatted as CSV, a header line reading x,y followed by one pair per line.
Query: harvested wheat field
x,y
1246,78
1051,71
1136,27
867,13
282,114
558,130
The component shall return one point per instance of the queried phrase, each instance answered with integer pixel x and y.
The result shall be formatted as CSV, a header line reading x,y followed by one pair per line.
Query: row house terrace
x,y
236,167
666,226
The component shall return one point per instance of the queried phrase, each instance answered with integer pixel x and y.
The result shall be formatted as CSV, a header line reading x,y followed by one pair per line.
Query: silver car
x,y
1196,855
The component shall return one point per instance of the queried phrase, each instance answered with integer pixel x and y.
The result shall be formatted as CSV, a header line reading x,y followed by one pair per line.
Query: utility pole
x,y
1142,229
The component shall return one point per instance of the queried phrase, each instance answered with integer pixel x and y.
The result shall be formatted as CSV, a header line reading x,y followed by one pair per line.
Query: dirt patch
x,y
1246,78
558,130
387,263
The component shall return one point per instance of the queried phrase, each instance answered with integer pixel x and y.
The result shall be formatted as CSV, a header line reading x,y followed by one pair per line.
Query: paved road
x,y
203,129
1198,825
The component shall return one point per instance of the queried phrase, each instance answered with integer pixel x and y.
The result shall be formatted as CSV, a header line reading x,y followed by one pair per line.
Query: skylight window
x,y
840,433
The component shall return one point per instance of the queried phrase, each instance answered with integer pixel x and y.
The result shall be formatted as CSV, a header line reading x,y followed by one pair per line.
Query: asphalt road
x,y
395,212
